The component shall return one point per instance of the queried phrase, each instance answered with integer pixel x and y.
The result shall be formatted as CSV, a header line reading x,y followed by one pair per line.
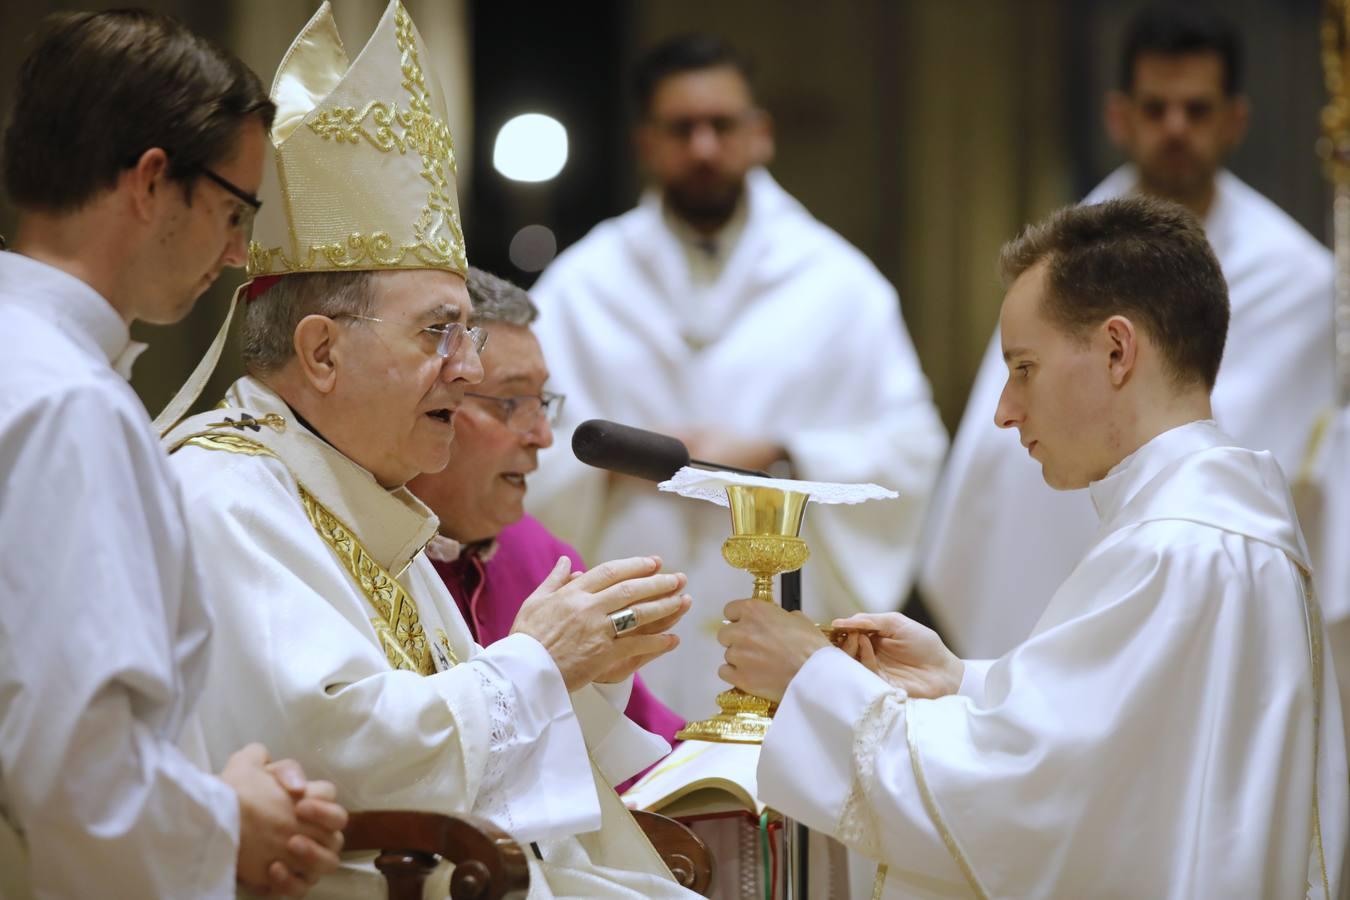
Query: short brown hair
x,y
99,89
1139,257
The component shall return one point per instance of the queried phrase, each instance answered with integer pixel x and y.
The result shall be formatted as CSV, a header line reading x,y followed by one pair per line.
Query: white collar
x,y
72,306
1129,476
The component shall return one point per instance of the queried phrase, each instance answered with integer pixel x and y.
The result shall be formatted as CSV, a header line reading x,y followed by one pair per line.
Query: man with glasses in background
x,y
105,622
340,642
490,554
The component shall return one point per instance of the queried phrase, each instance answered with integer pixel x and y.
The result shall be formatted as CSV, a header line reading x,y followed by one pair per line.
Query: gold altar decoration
x,y
1334,149
765,524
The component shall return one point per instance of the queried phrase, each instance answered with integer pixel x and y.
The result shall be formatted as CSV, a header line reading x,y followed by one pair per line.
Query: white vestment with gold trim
x,y
1156,736
401,714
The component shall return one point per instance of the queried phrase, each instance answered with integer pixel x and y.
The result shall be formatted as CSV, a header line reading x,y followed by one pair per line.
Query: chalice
x,y
765,524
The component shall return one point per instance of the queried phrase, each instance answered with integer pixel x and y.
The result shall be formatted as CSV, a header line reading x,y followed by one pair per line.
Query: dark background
x,y
925,132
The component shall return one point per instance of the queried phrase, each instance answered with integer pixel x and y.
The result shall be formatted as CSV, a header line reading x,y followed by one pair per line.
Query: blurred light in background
x,y
533,247
530,147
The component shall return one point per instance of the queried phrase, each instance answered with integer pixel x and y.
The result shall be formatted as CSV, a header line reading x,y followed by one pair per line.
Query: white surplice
x,y
103,624
1155,737
790,335
301,665
998,540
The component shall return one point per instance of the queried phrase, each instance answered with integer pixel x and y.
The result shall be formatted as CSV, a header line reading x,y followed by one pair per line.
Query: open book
x,y
699,779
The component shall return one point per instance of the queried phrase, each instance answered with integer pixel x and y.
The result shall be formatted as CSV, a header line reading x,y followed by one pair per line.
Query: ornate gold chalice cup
x,y
765,522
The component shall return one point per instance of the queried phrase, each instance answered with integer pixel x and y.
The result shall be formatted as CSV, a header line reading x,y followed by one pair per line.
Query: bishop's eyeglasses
x,y
449,337
521,413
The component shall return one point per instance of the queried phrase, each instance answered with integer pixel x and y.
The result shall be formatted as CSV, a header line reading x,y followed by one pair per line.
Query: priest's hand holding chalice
x,y
766,645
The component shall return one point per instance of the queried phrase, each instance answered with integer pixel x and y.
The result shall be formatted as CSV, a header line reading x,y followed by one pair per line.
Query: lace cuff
x,y
858,826
493,800
537,781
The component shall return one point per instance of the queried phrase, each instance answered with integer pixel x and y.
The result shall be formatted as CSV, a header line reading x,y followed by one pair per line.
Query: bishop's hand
x,y
571,616
906,654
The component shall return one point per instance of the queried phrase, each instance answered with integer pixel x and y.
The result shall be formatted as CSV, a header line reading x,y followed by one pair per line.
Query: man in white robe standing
x,y
127,211
1178,115
340,641
1172,727
710,312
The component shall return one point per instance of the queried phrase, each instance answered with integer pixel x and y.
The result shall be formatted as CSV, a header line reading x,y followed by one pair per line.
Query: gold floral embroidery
x,y
397,624
390,128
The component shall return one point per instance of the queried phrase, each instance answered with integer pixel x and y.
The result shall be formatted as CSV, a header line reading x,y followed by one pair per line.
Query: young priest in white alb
x,y
1171,729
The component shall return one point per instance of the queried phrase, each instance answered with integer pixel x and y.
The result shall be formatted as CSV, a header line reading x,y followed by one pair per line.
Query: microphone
x,y
628,450
655,457
649,455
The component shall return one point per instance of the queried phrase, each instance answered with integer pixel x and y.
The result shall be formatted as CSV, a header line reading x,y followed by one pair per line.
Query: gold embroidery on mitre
x,y
388,127
397,624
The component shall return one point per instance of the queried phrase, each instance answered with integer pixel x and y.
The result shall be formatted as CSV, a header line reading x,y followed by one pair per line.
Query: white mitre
x,y
361,171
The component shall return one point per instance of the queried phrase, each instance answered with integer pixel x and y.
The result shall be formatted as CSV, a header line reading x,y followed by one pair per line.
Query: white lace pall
x,y
710,485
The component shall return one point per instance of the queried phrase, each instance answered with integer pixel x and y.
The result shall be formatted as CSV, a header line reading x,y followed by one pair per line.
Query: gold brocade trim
x,y
397,623
879,883
1312,613
389,128
930,804
357,250
231,443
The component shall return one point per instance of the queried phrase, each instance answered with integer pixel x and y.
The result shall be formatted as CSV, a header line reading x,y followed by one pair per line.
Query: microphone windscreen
x,y
628,450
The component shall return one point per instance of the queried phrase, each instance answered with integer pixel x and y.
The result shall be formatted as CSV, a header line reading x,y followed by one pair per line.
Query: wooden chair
x,y
489,865
684,852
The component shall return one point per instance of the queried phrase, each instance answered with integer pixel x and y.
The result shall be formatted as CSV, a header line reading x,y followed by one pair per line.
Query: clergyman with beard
x,y
1177,115
721,312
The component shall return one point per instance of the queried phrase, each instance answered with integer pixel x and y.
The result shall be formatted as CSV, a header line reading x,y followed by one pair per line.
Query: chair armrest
x,y
684,853
489,864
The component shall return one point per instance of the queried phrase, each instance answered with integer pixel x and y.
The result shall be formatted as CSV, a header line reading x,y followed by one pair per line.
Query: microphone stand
x,y
797,836
790,584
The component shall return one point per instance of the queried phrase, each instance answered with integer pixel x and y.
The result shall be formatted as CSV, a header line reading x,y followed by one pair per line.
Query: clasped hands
x,y
570,615
290,828
766,647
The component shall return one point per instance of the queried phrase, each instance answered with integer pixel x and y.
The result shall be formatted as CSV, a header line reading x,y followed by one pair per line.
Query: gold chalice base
x,y
744,719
